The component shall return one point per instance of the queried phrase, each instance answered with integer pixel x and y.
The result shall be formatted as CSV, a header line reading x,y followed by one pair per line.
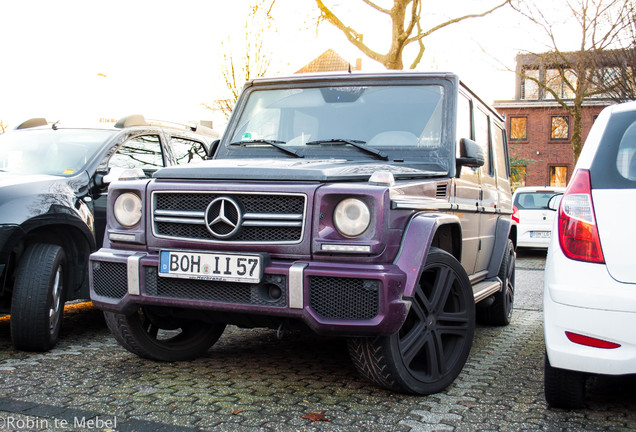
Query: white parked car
x,y
533,216
590,276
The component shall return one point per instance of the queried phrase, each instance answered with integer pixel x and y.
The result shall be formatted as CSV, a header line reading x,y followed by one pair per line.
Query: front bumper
x,y
331,298
583,298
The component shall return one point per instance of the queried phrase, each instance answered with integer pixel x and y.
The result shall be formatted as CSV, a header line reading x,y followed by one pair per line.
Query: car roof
x,y
350,76
134,120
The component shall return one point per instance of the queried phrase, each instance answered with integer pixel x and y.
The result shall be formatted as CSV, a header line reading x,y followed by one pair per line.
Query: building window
x,y
560,129
558,176
560,82
517,176
529,86
518,128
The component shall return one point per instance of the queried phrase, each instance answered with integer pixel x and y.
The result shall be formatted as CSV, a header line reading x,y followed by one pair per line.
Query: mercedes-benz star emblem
x,y
223,217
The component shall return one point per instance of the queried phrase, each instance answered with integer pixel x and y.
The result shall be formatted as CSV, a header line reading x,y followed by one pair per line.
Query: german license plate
x,y
540,234
211,266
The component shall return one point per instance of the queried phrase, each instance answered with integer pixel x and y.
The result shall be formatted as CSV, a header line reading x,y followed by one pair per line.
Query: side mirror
x,y
553,203
471,154
213,147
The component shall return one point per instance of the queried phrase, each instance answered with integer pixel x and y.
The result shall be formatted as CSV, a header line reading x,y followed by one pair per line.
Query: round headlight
x,y
351,217
127,209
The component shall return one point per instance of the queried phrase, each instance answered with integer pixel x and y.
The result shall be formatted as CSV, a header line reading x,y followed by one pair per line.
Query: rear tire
x,y
37,303
499,313
147,334
431,348
563,388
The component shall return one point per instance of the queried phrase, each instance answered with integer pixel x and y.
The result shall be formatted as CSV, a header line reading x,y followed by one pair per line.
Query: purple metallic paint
x,y
392,312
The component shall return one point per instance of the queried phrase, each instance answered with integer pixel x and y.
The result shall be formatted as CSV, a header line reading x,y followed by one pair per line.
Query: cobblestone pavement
x,y
251,381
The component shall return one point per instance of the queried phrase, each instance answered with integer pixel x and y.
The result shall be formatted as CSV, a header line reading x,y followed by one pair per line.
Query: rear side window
x,y
626,156
614,164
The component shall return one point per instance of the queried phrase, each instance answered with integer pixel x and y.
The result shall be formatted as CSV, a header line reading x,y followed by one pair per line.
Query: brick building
x,y
540,129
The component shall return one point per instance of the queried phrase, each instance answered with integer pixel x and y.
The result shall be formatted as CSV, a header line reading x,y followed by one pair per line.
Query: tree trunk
x,y
577,142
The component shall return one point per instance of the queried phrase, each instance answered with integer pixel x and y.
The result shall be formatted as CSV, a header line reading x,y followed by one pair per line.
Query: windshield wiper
x,y
355,143
273,143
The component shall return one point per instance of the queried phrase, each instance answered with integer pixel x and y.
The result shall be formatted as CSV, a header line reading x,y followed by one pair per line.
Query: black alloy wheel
x,y
432,346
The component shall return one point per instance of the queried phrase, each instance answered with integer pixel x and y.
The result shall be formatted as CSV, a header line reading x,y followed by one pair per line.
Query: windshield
x,y
402,122
61,152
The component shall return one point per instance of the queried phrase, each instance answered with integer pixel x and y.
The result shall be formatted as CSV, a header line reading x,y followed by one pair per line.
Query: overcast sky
x,y
82,59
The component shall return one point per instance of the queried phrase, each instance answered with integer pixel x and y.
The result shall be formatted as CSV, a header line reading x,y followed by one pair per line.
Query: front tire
x,y
37,303
148,335
563,388
431,348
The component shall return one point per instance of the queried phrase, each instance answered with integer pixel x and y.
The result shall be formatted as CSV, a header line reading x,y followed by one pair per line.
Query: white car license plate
x,y
211,266
540,234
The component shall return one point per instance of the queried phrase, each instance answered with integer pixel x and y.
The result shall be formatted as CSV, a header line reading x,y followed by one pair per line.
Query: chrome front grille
x,y
271,218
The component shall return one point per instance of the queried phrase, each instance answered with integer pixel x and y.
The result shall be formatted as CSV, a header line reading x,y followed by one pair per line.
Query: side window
x,y
482,137
501,159
626,157
187,151
139,152
463,118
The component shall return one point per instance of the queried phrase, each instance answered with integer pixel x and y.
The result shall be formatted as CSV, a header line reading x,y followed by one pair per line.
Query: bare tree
x,y
616,75
3,127
406,28
618,79
254,60
570,77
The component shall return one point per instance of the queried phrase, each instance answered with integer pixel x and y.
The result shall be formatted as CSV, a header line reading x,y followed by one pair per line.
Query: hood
x,y
10,179
294,170
23,197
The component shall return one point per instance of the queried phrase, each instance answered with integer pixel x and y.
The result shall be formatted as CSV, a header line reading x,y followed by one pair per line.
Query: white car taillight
x,y
578,234
515,213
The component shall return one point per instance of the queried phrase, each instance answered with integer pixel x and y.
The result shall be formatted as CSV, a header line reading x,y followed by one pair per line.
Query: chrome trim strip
x,y
266,223
132,271
422,205
180,213
274,216
179,220
301,217
296,285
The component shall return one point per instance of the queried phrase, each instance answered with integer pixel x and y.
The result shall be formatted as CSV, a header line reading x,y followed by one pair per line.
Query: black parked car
x,y
53,189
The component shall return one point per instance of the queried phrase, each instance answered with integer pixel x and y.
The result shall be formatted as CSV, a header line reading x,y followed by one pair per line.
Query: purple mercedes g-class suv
x,y
376,207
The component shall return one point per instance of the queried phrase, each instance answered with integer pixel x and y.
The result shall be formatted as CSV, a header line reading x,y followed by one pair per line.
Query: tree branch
x,y
352,36
376,7
422,35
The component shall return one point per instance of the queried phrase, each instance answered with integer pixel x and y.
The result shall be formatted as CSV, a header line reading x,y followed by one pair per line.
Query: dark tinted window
x,y
140,152
533,200
614,165
187,151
